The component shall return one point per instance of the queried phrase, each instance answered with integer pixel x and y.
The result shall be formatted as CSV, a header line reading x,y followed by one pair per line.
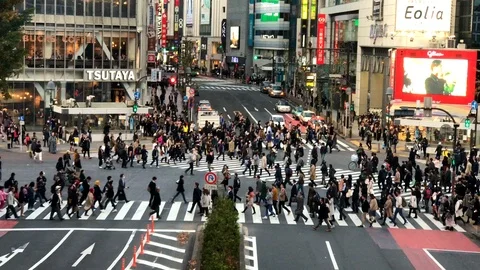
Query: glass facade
x,y
66,37
340,2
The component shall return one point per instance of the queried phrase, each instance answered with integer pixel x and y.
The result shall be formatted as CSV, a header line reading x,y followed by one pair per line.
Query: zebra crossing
x,y
179,212
228,88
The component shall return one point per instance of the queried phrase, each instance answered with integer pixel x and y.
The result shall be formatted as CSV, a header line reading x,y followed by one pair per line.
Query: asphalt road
x,y
36,245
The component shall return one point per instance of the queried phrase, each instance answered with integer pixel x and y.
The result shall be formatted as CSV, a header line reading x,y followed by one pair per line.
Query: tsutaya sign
x,y
110,75
423,15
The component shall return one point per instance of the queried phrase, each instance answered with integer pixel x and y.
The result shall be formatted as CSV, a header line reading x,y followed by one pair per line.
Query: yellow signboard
x,y
304,10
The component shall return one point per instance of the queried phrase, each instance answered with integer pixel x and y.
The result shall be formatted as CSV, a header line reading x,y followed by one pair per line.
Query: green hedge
x,y
221,238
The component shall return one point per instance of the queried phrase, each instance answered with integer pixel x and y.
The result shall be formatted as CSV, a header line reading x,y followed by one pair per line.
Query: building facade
x,y
85,48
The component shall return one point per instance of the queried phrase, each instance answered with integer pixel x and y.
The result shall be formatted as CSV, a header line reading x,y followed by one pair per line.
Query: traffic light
x,y
135,107
467,123
173,48
173,80
255,57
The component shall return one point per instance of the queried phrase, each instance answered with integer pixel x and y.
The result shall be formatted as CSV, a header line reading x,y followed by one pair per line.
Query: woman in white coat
x,y
331,216
264,165
206,201
459,211
413,204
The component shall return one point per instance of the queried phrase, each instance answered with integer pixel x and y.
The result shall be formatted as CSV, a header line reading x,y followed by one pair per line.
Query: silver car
x,y
283,106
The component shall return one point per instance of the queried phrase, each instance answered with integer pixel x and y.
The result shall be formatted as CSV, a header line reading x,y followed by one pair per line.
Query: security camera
x,y
392,36
411,39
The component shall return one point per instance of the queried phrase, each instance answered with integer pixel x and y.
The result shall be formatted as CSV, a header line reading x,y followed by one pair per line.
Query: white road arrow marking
x,y
255,109
225,110
229,116
84,253
7,257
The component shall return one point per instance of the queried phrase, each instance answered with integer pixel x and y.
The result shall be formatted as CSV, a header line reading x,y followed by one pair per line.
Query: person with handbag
x,y
226,176
206,201
300,207
283,198
372,211
413,205
249,200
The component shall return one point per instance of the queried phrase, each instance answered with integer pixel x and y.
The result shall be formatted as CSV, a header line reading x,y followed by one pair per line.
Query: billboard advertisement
x,y
189,17
251,22
448,76
205,12
423,15
223,36
235,37
321,23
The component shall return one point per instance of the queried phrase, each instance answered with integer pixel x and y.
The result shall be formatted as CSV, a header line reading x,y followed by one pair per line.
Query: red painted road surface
x,y
412,242
7,224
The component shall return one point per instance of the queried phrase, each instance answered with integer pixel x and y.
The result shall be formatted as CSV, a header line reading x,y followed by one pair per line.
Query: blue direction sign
x,y
185,98
21,118
474,105
137,95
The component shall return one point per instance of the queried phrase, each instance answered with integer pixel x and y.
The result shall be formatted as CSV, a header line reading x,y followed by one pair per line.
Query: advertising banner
x,y
223,36
448,76
189,19
205,12
235,37
164,28
304,10
321,24
251,22
203,48
423,15
176,18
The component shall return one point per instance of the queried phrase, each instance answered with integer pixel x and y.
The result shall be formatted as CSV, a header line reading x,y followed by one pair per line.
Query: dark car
x,y
265,87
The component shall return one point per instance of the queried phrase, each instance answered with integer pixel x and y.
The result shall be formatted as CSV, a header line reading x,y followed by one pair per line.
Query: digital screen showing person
x,y
435,76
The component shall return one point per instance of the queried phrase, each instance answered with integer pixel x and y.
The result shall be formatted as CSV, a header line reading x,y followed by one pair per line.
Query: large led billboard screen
x,y
448,76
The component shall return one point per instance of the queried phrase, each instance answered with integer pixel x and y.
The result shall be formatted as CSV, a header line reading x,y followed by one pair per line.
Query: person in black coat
x,y
56,201
293,193
109,193
180,189
152,187
155,203
197,196
121,190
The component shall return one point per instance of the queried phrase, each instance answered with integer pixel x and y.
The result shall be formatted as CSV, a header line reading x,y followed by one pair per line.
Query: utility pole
x,y
273,68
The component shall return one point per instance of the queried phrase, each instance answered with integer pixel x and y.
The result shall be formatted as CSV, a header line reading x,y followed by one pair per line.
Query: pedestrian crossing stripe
x,y
178,211
228,88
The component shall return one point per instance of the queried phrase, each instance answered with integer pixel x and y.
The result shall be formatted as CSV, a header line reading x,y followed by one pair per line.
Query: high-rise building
x,y
81,50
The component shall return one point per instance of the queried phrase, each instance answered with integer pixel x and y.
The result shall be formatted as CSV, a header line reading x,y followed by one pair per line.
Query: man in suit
x,y
121,189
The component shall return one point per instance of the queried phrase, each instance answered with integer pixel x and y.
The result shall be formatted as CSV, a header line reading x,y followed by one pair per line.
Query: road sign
x,y
137,95
21,118
210,187
22,123
210,178
474,105
185,98
192,92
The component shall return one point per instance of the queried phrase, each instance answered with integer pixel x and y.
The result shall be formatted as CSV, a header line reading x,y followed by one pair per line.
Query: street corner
x,y
161,249
78,248
5,225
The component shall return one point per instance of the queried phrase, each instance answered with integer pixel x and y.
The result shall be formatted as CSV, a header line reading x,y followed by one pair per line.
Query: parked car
x,y
283,106
277,119
297,111
276,91
265,87
306,116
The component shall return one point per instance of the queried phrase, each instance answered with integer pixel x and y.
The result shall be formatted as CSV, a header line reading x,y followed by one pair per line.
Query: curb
x,y
243,233
197,248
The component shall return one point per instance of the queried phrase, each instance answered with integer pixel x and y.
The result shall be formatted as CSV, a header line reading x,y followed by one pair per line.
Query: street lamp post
x,y
50,89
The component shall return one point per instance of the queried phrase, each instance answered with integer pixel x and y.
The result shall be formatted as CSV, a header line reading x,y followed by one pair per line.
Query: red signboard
x,y
164,28
335,40
392,69
448,76
151,58
321,23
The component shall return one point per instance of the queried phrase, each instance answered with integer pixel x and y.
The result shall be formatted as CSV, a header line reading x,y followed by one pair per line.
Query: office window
x,y
60,7
50,7
40,7
98,8
124,9
107,8
133,8
29,4
116,9
80,8
88,8
70,7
